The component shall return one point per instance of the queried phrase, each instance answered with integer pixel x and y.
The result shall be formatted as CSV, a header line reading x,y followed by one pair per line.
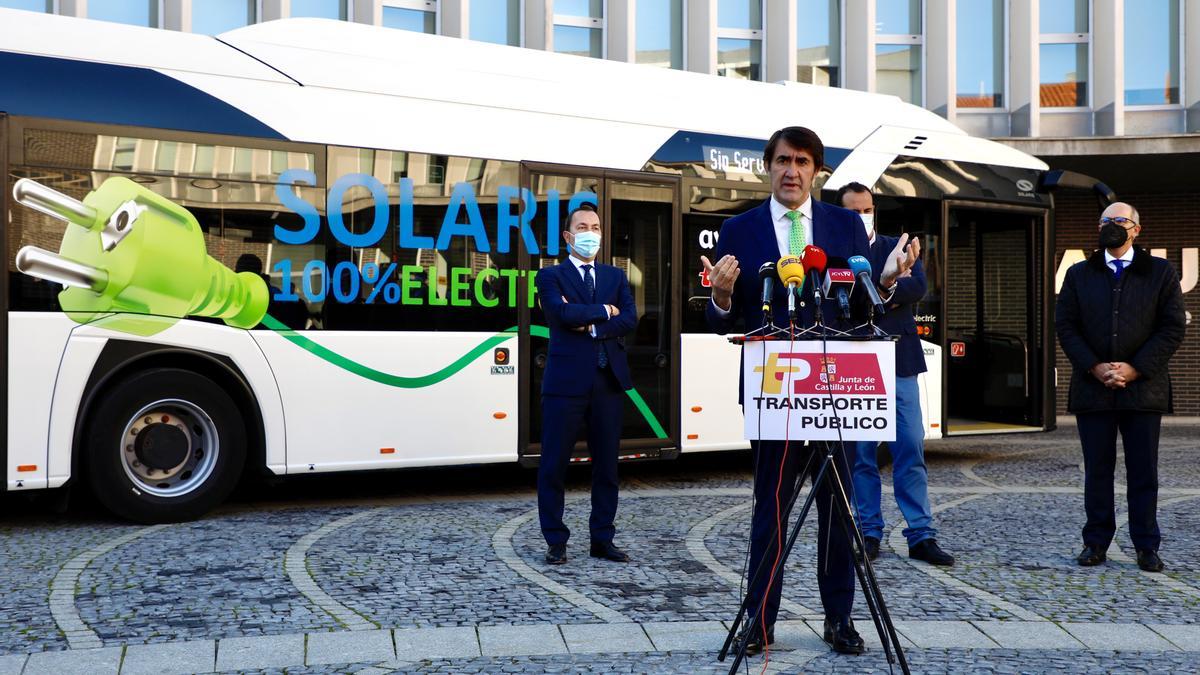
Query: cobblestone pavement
x,y
440,571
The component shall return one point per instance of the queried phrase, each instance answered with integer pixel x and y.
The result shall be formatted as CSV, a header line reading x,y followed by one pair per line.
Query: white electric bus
x,y
398,192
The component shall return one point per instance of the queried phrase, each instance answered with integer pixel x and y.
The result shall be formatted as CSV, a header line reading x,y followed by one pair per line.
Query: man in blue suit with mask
x,y
784,225
909,476
589,309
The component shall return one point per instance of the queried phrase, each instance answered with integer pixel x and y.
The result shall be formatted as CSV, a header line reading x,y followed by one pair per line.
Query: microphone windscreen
x,y
859,264
791,270
814,259
767,270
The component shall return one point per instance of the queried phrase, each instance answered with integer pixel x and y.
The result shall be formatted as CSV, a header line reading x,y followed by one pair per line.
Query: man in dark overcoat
x,y
1119,319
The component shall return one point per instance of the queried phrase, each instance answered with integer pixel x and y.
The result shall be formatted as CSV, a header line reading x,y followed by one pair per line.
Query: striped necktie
x,y
601,355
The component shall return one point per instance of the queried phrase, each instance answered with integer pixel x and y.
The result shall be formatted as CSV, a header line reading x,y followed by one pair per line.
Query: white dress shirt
x,y
783,224
1127,257
592,272
579,266
783,233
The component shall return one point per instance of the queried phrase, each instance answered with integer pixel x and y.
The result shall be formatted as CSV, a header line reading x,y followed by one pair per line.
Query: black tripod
x,y
828,472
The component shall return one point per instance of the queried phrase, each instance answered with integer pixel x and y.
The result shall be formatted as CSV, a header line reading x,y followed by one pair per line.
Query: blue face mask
x,y
586,244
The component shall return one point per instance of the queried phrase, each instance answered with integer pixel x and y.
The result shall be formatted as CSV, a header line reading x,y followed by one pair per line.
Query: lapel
x,y
764,231
822,232
601,280
575,278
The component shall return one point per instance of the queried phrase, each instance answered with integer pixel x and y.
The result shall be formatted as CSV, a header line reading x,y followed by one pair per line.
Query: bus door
x,y
641,234
996,350
711,414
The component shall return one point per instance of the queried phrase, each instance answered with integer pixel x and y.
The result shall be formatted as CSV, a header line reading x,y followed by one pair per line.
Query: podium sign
x,y
802,391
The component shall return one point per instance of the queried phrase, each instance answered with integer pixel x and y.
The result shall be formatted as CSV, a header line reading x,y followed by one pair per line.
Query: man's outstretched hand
x,y
899,263
722,277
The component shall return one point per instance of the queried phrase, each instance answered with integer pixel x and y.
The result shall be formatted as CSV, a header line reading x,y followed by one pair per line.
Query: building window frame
x,y
746,34
683,41
347,4
159,7
1182,71
1004,93
520,24
258,14
841,46
902,40
571,21
434,6
1071,38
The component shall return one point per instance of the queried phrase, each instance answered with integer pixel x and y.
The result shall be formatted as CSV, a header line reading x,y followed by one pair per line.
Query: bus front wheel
x,y
164,445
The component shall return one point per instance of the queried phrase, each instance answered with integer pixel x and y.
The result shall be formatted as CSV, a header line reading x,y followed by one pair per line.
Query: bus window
x,y
919,218
26,227
709,208
438,264
237,218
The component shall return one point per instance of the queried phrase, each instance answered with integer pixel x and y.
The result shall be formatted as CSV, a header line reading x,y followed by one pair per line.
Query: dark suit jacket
x,y
1139,320
750,237
571,363
898,320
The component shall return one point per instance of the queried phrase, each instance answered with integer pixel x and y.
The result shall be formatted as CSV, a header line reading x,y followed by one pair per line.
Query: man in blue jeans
x,y
909,477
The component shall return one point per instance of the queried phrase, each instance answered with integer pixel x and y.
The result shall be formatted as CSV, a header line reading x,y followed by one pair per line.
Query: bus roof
x,y
342,83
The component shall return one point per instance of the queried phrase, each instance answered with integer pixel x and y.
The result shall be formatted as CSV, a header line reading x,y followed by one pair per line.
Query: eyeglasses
x,y
1119,220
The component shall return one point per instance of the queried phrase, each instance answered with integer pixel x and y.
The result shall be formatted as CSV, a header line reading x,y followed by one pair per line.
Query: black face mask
x,y
1112,236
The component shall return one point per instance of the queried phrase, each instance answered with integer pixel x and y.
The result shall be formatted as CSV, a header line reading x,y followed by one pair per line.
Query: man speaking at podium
x,y
784,225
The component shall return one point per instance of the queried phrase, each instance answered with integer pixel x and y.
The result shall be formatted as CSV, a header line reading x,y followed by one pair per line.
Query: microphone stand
x,y
829,478
819,328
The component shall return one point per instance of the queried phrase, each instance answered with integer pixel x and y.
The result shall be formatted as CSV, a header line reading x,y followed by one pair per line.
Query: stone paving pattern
x,y
30,556
906,590
425,558
428,566
219,577
665,583
1180,523
1007,546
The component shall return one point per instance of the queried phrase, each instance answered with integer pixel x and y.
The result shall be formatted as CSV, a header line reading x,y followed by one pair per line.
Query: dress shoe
x,y
929,551
608,551
872,545
1149,561
755,644
1091,556
842,637
556,554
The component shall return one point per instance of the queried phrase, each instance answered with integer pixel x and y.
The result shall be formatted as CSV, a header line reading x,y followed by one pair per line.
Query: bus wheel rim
x,y
169,448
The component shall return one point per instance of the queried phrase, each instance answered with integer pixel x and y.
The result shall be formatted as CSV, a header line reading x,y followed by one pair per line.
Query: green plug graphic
x,y
129,250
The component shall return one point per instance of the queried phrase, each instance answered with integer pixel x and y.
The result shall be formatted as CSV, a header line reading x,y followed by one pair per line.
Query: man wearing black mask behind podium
x,y
1119,319
783,225
910,479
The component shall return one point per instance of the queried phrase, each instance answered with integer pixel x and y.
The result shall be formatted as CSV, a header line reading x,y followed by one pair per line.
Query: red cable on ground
x,y
762,608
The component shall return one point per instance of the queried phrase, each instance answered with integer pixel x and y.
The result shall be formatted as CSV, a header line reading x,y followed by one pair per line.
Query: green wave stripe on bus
x,y
350,365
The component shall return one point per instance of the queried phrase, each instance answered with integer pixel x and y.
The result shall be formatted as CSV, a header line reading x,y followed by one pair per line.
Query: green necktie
x,y
796,241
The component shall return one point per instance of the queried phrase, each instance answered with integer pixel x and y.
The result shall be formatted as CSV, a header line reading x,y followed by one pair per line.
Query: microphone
x,y
861,267
791,272
839,282
767,274
814,260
